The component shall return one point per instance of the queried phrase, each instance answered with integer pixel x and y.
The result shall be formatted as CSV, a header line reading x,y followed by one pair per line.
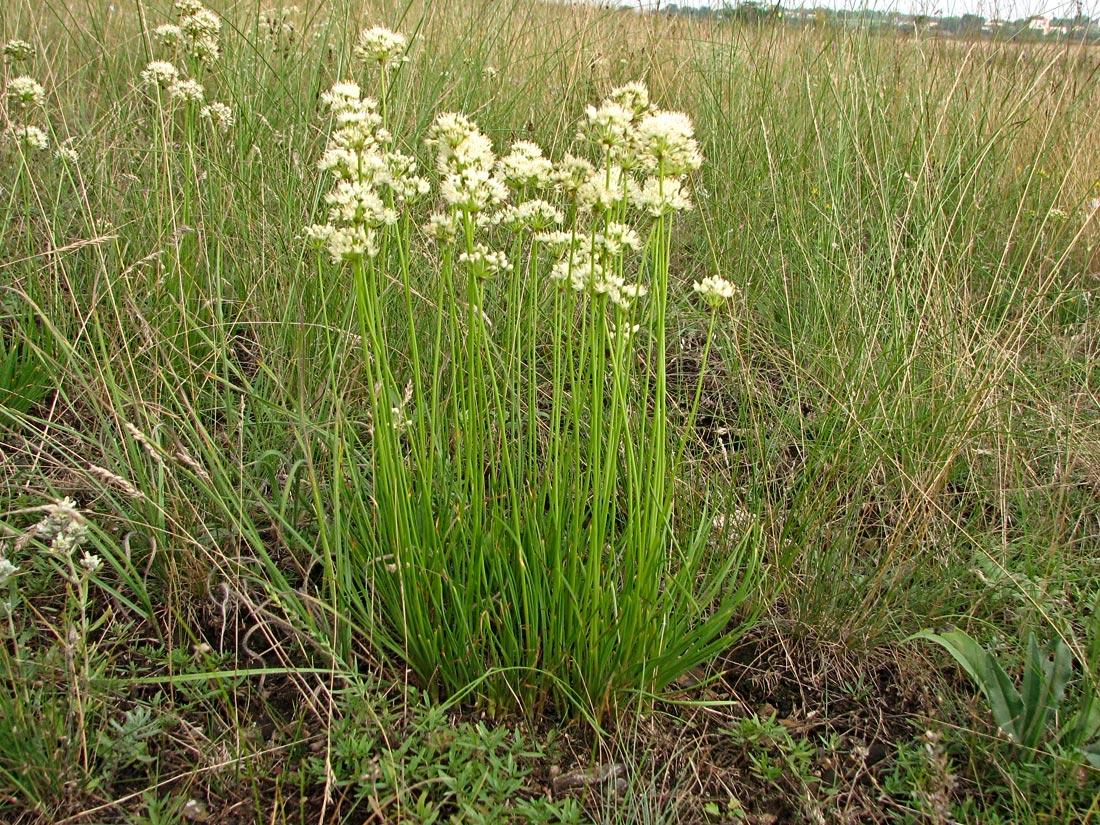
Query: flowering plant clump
x,y
512,507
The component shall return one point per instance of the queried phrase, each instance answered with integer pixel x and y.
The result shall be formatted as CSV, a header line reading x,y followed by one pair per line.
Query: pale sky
x,y
1005,9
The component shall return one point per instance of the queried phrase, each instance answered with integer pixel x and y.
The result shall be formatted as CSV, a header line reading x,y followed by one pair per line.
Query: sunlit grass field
x,y
704,427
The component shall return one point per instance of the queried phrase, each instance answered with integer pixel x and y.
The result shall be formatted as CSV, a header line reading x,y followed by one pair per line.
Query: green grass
x,y
895,423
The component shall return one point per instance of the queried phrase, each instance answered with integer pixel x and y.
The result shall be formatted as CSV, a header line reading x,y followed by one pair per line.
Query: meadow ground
x,y
569,461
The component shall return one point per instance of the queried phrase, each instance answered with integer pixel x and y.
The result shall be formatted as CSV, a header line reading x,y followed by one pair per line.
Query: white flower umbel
x,y
200,28
186,91
356,156
610,126
66,154
666,142
25,92
90,562
659,196
219,115
534,215
524,166
571,174
159,73
604,190
486,262
29,138
442,227
382,46
17,51
716,290
459,144
633,96
168,34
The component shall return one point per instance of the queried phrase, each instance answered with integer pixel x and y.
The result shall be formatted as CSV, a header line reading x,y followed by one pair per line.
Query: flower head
x,y
535,215
159,73
485,261
604,189
524,166
26,92
659,196
16,51
66,154
633,96
91,562
666,142
187,91
382,46
168,34
219,115
716,290
610,126
29,138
